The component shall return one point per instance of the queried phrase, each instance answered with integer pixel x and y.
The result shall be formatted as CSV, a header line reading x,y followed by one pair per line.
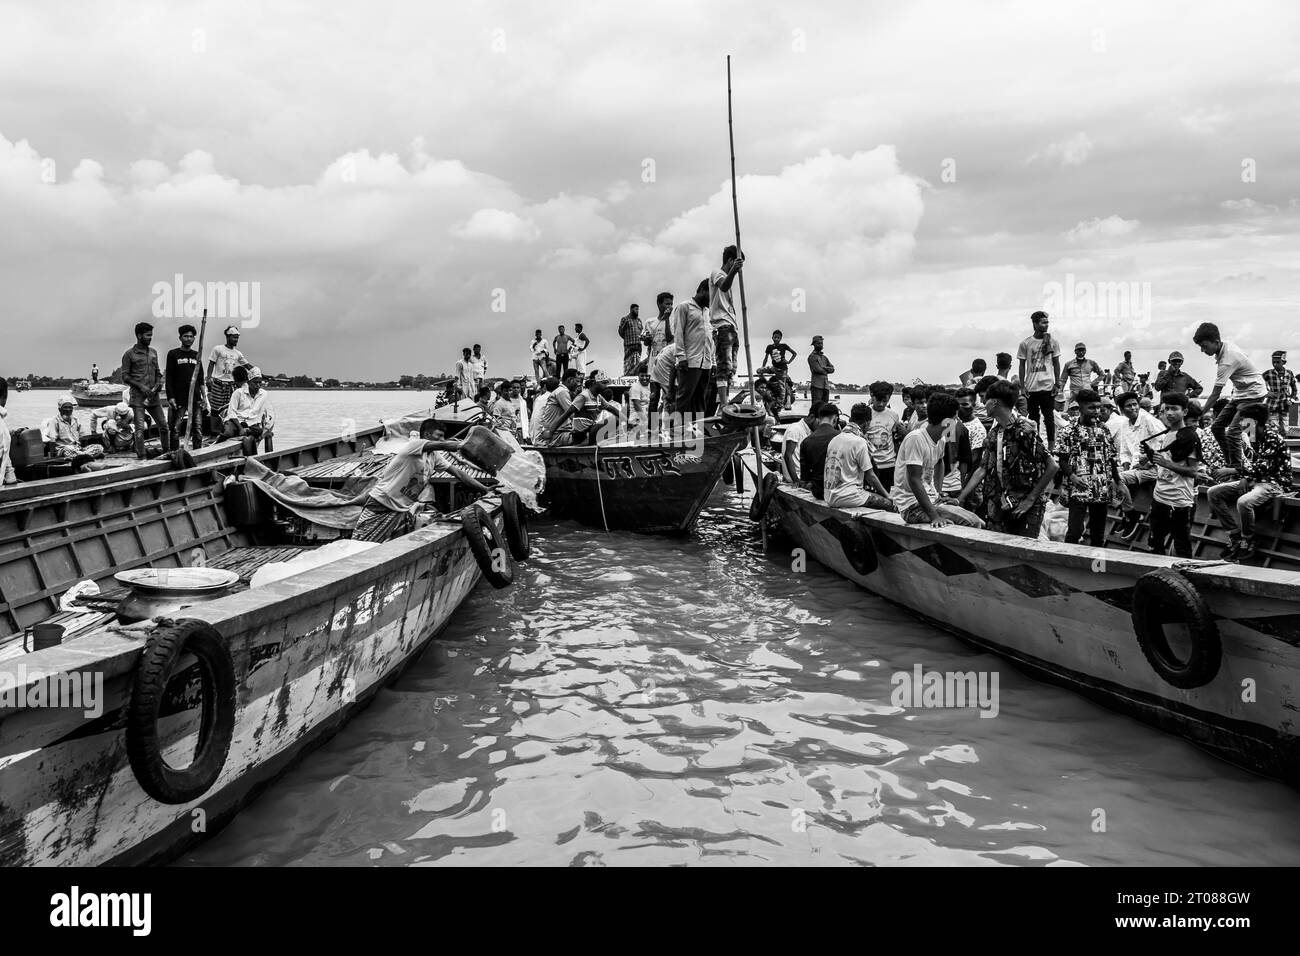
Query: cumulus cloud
x,y
498,225
1093,229
1073,151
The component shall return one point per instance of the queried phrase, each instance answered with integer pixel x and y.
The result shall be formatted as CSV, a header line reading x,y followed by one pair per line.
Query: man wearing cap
x,y
1173,379
249,414
140,370
63,433
1080,372
1125,376
820,367
1281,390
116,423
222,362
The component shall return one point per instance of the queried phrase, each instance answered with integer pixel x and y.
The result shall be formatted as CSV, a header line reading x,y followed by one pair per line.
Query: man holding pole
x,y
722,318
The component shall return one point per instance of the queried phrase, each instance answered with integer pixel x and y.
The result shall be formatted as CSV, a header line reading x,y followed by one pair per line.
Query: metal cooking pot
x,y
158,592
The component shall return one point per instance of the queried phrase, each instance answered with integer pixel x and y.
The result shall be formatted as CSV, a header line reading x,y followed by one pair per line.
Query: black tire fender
x,y
763,496
859,549
741,417
169,640
1165,596
516,526
485,541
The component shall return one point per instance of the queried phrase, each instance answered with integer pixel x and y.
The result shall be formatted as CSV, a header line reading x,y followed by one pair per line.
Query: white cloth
x,y
248,409
721,309
224,362
539,408
795,434
848,459
465,371
1037,355
1130,435
540,349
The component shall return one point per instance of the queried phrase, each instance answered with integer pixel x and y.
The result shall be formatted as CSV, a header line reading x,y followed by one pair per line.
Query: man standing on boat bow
x,y
140,370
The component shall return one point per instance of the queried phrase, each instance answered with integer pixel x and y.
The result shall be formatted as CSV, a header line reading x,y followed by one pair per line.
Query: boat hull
x,y
1063,613
647,488
308,652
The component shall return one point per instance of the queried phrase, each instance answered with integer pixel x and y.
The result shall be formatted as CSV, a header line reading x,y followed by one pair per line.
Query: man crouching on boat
x,y
393,502
914,492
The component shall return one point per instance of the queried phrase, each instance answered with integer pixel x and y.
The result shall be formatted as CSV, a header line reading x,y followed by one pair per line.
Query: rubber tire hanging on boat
x,y
859,549
169,641
516,523
1162,597
763,496
742,417
484,541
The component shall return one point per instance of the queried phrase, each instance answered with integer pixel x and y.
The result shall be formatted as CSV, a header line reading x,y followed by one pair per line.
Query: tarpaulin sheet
x,y
319,505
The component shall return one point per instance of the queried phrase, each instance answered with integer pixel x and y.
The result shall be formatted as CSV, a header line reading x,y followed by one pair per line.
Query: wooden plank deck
x,y
100,609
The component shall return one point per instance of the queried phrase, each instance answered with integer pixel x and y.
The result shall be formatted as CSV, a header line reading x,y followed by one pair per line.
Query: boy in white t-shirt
x,y
914,492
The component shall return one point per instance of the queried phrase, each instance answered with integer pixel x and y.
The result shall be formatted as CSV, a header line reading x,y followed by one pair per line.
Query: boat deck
x,y
99,610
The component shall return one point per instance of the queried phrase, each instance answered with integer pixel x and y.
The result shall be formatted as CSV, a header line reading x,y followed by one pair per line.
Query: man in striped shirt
x,y
1281,390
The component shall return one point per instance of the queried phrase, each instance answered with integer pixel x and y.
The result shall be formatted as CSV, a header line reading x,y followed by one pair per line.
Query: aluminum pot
x,y
160,592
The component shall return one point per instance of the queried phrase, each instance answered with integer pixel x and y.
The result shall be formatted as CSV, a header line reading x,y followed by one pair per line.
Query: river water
x,y
640,700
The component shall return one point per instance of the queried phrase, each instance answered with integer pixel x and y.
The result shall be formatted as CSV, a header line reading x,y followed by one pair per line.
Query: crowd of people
x,y
993,451
227,402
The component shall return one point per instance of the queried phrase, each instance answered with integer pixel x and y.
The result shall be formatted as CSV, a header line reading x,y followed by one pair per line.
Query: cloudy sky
x,y
402,179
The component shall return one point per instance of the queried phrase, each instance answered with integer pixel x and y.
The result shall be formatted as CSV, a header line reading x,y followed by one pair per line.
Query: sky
x,y
395,181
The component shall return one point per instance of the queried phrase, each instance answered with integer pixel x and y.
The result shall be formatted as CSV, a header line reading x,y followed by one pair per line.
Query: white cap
x,y
66,399
121,408
232,330
254,372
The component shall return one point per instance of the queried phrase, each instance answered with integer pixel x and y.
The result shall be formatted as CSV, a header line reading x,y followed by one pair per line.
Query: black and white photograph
x,y
645,435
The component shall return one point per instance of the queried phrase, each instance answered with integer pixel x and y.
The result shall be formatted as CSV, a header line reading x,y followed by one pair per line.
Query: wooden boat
x,y
260,675
650,488
1220,670
81,391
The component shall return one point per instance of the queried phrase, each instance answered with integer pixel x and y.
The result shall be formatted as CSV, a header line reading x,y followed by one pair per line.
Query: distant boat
x,y
98,394
22,385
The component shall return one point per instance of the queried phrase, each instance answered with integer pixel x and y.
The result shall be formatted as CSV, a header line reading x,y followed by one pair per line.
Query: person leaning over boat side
x,y
63,432
629,330
1176,458
556,427
722,321
793,439
7,474
116,423
820,367
850,479
884,432
663,373
812,452
1015,469
914,494
220,377
393,502
1089,461
1248,387
541,352
249,414
182,367
140,370
1281,389
695,351
1136,426
1267,476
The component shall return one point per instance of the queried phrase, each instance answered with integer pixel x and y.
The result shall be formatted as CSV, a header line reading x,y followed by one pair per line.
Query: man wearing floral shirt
x,y
1015,469
1089,461
1265,477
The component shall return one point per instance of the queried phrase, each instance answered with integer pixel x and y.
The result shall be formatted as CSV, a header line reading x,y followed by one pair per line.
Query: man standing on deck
x,y
1081,372
695,352
1040,374
1281,390
465,375
540,355
1174,380
183,368
1248,386
1124,374
850,477
480,367
140,371
94,372
220,378
654,330
560,346
629,330
722,319
821,367
779,356
1089,461
1015,469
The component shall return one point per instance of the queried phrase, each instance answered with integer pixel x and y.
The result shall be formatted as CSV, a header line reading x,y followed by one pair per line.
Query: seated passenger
x,y
249,414
851,480
63,433
394,501
921,453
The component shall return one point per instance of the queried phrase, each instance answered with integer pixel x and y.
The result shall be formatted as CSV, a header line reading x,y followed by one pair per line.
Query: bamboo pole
x,y
188,440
